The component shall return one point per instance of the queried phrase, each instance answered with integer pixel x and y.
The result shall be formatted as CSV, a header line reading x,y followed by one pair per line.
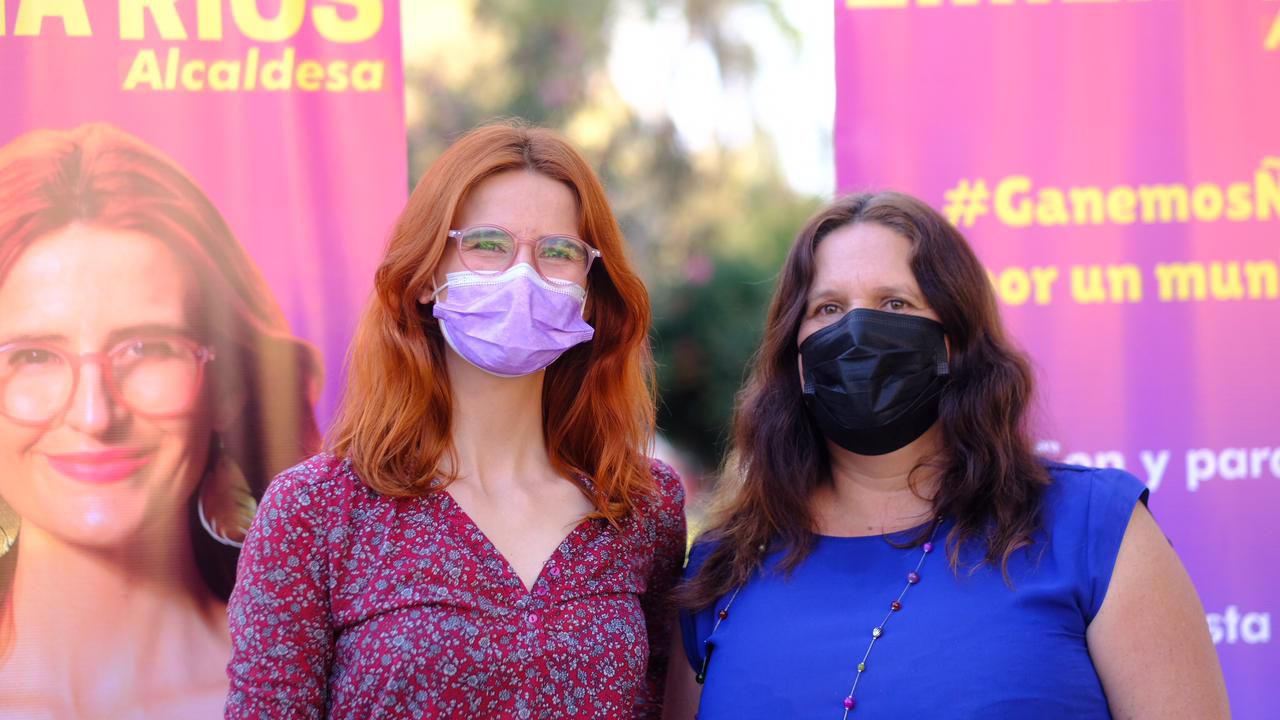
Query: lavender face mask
x,y
511,324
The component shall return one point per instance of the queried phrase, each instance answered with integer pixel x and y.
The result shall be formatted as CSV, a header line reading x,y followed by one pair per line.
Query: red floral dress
x,y
352,604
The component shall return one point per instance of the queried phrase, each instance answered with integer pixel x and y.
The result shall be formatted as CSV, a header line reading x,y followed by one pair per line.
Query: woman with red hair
x,y
149,388
486,537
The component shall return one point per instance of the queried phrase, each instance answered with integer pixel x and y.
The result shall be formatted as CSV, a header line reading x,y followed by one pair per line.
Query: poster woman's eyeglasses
x,y
153,376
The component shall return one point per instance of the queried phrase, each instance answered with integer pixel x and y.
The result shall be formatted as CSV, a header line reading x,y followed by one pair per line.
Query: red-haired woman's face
x,y
103,437
528,204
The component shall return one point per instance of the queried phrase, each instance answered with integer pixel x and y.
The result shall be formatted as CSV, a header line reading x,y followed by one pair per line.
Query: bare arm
x,y
1149,641
681,700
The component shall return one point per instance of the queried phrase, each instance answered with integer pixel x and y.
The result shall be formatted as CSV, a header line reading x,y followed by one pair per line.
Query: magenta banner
x,y
1116,163
193,198
289,113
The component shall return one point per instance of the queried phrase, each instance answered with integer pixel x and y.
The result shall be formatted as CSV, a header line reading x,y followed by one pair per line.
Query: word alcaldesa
x,y
172,71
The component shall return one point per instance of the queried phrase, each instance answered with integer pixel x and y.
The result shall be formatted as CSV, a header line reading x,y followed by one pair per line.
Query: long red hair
x,y
394,420
103,177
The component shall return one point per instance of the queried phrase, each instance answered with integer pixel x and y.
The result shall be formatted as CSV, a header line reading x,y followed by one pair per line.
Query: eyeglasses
x,y
492,249
153,376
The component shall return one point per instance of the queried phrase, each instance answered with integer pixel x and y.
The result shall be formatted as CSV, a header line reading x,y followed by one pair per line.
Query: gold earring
x,y
224,502
10,523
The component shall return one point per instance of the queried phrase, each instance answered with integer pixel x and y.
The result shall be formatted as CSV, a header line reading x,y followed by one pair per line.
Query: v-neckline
x,y
489,546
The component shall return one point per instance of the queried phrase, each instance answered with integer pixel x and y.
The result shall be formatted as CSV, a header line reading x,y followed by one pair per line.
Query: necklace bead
x,y
913,578
849,703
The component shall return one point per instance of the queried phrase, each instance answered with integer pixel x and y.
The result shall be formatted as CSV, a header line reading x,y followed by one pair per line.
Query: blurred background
x,y
717,129
712,157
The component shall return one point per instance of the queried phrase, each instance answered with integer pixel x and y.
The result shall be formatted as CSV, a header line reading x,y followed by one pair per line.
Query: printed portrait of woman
x,y
149,389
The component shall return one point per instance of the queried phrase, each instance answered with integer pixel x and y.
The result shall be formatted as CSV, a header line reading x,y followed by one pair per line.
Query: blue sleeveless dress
x,y
964,645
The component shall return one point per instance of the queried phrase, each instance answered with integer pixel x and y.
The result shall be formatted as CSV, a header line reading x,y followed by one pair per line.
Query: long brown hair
x,y
990,480
104,177
394,420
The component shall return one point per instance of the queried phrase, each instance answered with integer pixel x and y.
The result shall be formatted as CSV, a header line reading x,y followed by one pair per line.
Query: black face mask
x,y
872,380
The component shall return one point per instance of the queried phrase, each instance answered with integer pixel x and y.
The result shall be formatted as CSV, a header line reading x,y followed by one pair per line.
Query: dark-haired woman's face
x,y
863,265
100,442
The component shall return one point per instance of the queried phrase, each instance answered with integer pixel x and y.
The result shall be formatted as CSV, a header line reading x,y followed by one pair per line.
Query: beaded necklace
x,y
849,702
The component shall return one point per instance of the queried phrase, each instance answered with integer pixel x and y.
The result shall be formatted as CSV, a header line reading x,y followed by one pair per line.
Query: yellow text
x,y
1233,280
285,72
340,21
1018,202
1017,286
32,13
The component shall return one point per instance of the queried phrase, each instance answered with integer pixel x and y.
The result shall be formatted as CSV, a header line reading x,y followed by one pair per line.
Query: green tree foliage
x,y
708,320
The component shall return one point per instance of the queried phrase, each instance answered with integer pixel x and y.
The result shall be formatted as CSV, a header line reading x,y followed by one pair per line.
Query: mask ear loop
x,y
435,293
437,290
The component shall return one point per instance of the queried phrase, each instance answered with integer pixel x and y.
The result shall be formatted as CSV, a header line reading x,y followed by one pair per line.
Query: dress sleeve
x,y
1113,495
281,632
668,557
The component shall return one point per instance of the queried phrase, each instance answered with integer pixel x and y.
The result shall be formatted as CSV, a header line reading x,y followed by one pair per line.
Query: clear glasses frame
x,y
535,245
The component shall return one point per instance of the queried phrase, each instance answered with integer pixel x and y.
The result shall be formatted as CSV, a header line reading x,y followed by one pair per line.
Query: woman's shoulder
x,y
665,499
1087,489
698,552
657,512
667,482
1087,513
323,481
324,471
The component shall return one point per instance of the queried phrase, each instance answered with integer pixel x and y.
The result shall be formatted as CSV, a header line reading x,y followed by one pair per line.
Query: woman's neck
x,y
497,428
874,494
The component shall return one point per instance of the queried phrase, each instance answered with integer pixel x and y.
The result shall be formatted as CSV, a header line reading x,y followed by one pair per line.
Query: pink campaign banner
x,y
193,198
289,113
1116,163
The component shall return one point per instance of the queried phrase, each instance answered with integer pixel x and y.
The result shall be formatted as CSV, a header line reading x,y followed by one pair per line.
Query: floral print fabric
x,y
352,604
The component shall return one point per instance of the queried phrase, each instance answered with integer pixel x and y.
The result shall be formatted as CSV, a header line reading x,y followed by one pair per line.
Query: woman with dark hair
x,y
890,547
149,389
486,537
